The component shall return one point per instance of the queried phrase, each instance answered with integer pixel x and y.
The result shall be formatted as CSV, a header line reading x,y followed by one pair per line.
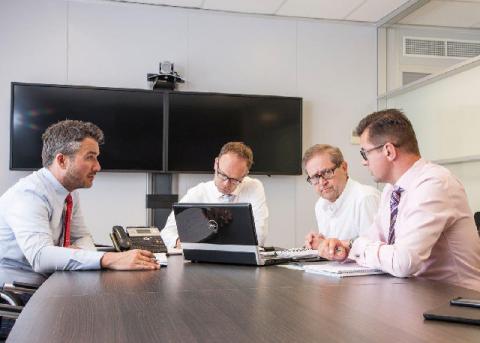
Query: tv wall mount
x,y
167,78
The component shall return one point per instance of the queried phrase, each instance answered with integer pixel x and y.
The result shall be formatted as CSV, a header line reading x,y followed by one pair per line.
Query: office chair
x,y
12,299
10,305
10,308
476,216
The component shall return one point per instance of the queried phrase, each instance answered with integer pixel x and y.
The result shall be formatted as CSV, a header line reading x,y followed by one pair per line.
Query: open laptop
x,y
222,233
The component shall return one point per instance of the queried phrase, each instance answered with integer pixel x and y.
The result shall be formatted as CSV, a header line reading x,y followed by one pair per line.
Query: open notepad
x,y
337,269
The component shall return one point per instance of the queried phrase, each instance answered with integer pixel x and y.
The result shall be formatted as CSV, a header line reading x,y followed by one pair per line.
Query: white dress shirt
x,y
249,191
435,234
351,214
31,228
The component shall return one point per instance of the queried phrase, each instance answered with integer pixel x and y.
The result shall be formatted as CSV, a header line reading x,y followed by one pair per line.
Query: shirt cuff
x,y
92,260
365,252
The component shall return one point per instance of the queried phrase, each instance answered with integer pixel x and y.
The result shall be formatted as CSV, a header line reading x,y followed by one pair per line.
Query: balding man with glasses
x,y
230,184
346,208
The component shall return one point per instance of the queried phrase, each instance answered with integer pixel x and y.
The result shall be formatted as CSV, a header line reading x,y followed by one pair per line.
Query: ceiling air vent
x,y
433,47
463,49
424,47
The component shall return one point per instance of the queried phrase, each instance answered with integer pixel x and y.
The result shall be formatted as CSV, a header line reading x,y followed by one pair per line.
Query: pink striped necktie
x,y
394,201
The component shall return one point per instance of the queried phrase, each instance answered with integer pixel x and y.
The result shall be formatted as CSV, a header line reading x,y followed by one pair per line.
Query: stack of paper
x,y
337,269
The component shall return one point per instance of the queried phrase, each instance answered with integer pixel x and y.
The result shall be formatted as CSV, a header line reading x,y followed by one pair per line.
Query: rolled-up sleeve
x,y
260,212
169,232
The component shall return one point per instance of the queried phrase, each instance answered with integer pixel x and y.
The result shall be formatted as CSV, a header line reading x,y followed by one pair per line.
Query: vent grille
x,y
424,47
463,49
440,48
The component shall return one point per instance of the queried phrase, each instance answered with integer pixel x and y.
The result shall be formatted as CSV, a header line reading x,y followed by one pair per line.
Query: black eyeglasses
x,y
364,152
325,174
223,177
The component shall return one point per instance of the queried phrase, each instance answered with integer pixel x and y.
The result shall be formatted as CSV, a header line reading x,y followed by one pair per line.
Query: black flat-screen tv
x,y
132,121
200,123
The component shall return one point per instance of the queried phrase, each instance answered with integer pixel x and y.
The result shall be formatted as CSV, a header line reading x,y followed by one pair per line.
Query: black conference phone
x,y
137,237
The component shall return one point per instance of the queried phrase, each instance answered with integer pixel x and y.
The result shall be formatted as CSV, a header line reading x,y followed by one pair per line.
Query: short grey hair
x,y
65,138
336,156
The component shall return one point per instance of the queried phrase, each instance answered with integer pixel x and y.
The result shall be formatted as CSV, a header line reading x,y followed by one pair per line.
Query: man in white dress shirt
x,y
230,184
346,208
41,222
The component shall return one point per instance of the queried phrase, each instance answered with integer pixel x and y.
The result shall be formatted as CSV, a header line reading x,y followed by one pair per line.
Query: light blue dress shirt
x,y
31,228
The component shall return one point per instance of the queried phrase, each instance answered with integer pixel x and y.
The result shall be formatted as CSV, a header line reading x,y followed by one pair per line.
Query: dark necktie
x,y
67,220
394,201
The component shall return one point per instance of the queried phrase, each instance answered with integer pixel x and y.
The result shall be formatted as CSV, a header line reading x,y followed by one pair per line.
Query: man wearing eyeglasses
x,y
230,184
346,208
424,226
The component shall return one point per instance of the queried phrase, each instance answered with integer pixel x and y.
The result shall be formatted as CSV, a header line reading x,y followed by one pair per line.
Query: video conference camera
x,y
167,78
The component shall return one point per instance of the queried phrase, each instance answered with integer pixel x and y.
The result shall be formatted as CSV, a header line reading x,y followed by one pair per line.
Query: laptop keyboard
x,y
294,253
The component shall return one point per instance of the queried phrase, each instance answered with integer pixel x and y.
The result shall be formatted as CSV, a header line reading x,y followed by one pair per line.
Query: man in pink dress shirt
x,y
424,226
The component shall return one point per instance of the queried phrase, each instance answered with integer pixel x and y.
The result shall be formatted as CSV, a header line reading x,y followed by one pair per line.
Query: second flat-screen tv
x,y
200,123
132,121
137,139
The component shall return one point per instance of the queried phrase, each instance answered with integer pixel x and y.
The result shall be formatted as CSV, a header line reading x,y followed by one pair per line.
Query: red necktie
x,y
67,220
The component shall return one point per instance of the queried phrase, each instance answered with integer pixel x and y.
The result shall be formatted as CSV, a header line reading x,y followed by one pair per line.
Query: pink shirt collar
x,y
406,180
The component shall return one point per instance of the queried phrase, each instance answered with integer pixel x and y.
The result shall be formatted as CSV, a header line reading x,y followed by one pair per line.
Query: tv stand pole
x,y
159,199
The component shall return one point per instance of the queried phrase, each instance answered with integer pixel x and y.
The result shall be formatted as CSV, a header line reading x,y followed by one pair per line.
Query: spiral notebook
x,y
337,269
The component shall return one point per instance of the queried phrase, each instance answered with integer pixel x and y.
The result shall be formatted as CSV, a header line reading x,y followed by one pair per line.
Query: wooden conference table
x,y
194,302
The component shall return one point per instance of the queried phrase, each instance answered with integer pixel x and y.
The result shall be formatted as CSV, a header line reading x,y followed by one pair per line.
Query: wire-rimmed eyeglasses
x,y
364,152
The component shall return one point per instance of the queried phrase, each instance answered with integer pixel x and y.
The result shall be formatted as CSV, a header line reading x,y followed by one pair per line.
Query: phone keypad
x,y
150,243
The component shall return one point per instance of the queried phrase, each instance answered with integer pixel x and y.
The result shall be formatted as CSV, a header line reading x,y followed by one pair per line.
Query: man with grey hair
x,y
41,223
346,208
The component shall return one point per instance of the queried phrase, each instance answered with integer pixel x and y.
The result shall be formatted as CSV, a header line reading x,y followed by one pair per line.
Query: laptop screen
x,y
224,224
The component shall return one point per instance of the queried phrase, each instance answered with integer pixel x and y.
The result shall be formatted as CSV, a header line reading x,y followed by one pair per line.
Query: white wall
x,y
445,115
331,65
446,118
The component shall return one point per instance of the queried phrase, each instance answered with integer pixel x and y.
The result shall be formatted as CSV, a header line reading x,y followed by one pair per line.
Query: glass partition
x,y
429,66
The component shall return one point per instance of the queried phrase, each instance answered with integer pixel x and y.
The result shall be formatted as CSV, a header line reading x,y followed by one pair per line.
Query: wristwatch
x,y
350,243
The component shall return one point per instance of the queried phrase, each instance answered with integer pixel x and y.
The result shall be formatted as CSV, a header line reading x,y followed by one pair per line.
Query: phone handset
x,y
120,239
